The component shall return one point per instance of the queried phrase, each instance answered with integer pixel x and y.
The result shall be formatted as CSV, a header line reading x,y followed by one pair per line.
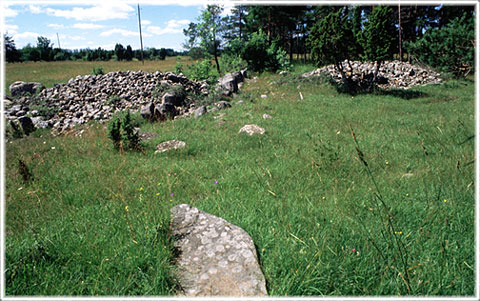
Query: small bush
x,y
113,100
121,129
98,71
203,70
232,63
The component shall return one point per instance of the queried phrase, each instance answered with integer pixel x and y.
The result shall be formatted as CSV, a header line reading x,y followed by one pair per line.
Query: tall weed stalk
x,y
388,230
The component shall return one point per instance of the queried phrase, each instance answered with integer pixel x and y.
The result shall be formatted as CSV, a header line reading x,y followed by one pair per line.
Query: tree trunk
x,y
215,52
400,34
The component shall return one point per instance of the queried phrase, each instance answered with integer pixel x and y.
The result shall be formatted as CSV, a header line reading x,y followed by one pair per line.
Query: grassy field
x,y
50,73
364,195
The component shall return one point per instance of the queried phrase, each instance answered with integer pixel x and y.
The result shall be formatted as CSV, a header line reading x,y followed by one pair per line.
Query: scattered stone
x,y
391,75
147,135
216,257
252,129
263,96
266,116
146,111
240,102
168,145
200,111
221,105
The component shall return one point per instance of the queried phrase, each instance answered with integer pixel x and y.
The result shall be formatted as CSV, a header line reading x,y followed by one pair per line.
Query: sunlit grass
x,y
95,221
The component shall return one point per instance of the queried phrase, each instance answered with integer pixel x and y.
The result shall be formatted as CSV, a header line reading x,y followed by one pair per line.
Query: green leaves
x,y
450,48
380,35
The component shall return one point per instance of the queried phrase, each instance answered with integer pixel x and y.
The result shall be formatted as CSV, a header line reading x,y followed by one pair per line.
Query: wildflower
x,y
386,162
171,193
353,250
323,198
406,194
53,147
168,175
158,184
444,201
141,188
399,232
157,194
126,208
216,182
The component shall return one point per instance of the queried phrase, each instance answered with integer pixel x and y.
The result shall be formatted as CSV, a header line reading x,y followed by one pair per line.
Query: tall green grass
x,y
95,221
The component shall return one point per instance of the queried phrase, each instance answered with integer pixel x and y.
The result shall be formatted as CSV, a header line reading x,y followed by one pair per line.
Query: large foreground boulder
x,y
216,257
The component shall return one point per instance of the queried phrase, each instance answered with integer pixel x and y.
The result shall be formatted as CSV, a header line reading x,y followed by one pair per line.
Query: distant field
x,y
50,73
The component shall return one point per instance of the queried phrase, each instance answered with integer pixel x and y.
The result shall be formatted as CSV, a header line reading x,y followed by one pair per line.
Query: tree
x,y
380,36
450,48
44,47
119,52
209,28
129,53
11,53
331,41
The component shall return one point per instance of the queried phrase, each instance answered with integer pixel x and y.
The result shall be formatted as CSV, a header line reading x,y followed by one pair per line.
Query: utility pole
x,y
58,39
140,28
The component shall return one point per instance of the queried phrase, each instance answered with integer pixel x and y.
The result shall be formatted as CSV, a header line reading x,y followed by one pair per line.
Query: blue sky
x,y
93,24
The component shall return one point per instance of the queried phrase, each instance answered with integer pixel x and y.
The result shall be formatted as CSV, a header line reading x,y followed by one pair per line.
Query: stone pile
x,y
391,75
91,97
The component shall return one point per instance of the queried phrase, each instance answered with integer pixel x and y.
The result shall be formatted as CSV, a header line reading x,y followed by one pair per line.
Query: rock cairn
x,y
391,75
97,97
216,257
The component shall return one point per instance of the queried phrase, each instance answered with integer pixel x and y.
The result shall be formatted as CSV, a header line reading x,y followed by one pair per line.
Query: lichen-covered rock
x,y
20,88
252,129
216,257
202,110
168,145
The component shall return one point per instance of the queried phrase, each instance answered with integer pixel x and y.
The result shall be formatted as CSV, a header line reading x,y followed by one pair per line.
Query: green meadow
x,y
366,195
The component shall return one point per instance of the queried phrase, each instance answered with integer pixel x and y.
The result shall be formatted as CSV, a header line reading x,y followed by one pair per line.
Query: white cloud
x,y
146,22
25,35
56,26
100,12
8,12
123,32
34,9
173,26
76,38
11,29
87,26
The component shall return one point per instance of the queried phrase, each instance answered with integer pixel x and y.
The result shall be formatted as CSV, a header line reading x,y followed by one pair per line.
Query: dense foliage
x,y
450,48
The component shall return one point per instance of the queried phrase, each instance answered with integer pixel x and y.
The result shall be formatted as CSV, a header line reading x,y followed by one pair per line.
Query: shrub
x,y
449,49
113,100
261,56
97,71
203,70
178,66
232,62
121,129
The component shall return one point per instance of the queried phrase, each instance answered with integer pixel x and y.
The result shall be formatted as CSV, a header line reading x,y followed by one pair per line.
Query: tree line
x,y
258,34
44,51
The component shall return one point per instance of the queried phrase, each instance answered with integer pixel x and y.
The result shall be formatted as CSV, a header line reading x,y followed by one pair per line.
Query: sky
x,y
93,24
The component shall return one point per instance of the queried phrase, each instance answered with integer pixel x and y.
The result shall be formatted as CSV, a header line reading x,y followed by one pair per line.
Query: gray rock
x,y
166,110
240,102
252,129
222,105
20,88
169,145
228,84
200,111
146,111
216,258
26,124
266,116
40,123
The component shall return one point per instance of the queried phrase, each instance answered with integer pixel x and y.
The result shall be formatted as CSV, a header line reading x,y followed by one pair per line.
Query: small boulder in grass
x,y
252,129
266,116
169,145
